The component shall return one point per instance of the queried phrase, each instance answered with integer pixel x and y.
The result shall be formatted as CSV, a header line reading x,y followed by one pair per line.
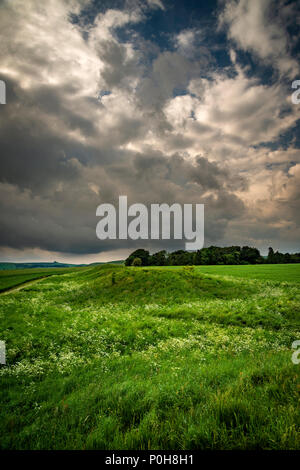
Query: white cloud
x,y
40,46
156,4
185,42
258,26
239,109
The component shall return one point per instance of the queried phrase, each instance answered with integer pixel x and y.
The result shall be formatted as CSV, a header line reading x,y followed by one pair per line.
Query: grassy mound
x,y
134,285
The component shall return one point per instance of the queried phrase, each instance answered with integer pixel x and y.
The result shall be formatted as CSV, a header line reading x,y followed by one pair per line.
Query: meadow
x,y
110,357
281,272
15,277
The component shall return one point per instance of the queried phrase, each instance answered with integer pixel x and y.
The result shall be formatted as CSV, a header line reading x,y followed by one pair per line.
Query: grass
x,y
280,272
15,277
159,358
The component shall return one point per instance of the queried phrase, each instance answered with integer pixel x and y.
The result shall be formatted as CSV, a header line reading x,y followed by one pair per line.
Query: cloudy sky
x,y
183,101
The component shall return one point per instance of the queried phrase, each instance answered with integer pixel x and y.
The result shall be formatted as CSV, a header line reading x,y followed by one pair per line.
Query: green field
x,y
110,357
16,277
280,272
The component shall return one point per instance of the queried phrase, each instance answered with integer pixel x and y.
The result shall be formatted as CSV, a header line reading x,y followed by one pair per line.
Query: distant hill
x,y
121,261
37,265
54,264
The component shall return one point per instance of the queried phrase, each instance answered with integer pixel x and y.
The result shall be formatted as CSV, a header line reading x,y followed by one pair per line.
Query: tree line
x,y
212,255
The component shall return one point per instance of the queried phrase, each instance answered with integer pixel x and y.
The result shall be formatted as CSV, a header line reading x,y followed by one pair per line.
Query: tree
x,y
205,258
180,258
137,262
250,255
229,258
211,255
270,258
158,259
140,253
198,257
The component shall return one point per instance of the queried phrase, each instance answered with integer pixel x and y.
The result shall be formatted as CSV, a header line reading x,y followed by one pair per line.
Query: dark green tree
x,y
158,259
250,255
140,253
271,258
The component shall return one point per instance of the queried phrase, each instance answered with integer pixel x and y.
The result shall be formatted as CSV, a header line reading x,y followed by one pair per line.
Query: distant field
x,y
273,272
110,357
15,277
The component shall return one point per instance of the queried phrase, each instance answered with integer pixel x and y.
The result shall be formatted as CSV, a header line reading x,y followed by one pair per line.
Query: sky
x,y
160,100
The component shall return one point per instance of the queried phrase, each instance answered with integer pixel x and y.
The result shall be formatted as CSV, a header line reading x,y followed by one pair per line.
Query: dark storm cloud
x,y
177,169
64,219
33,153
